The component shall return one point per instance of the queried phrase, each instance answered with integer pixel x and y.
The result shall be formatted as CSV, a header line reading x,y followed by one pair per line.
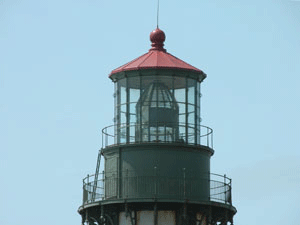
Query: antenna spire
x,y
157,13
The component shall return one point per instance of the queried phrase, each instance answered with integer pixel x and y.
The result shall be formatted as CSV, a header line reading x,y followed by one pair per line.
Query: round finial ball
x,y
157,36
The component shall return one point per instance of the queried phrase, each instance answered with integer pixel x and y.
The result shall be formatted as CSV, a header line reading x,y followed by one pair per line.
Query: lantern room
x,y
157,98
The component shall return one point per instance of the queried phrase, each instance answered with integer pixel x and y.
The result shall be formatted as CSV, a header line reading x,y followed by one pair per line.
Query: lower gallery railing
x,y
109,187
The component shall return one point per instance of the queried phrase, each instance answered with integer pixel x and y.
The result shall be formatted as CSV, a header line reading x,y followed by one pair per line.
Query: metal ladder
x,y
96,175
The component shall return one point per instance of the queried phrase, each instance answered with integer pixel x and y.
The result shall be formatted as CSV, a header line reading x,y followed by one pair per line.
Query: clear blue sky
x,y
55,97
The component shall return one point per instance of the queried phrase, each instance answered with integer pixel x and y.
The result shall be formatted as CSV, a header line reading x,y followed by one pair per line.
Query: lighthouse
x,y
157,153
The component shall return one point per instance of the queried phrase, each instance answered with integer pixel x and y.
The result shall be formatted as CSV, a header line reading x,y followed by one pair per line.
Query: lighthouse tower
x,y
157,153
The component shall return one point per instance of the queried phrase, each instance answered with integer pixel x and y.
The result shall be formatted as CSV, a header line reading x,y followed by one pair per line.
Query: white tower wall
x,y
147,218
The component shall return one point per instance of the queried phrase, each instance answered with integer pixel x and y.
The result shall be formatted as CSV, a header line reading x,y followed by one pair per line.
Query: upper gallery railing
x,y
158,133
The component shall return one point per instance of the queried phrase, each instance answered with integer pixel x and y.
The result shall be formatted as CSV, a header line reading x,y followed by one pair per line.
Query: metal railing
x,y
133,133
212,187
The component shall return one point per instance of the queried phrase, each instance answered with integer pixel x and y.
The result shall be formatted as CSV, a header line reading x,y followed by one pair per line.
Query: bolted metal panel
x,y
145,218
160,171
167,217
169,160
111,186
123,219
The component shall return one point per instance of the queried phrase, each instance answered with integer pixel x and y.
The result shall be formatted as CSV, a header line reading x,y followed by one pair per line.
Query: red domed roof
x,y
156,58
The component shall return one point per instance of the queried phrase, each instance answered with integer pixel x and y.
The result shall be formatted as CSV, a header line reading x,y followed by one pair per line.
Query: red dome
x,y
157,37
156,58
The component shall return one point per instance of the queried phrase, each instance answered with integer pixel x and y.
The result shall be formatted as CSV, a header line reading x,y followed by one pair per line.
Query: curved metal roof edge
x,y
119,69
135,71
124,65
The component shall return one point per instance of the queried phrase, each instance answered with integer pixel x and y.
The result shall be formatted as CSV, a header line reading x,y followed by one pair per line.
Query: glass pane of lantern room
x,y
198,114
191,95
116,96
134,90
122,111
134,96
180,96
115,102
121,103
192,84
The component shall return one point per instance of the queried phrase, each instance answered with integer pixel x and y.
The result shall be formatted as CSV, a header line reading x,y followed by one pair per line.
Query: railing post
x,y
165,132
106,137
200,133
102,138
212,138
230,195
88,187
209,198
225,188
118,184
103,182
184,190
155,182
83,197
207,137
127,180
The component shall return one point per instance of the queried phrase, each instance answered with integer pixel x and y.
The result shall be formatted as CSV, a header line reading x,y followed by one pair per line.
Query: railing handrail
x,y
202,131
219,186
132,171
134,123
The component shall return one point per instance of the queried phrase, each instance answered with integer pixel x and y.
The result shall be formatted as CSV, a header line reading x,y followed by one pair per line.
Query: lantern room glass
x,y
157,109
